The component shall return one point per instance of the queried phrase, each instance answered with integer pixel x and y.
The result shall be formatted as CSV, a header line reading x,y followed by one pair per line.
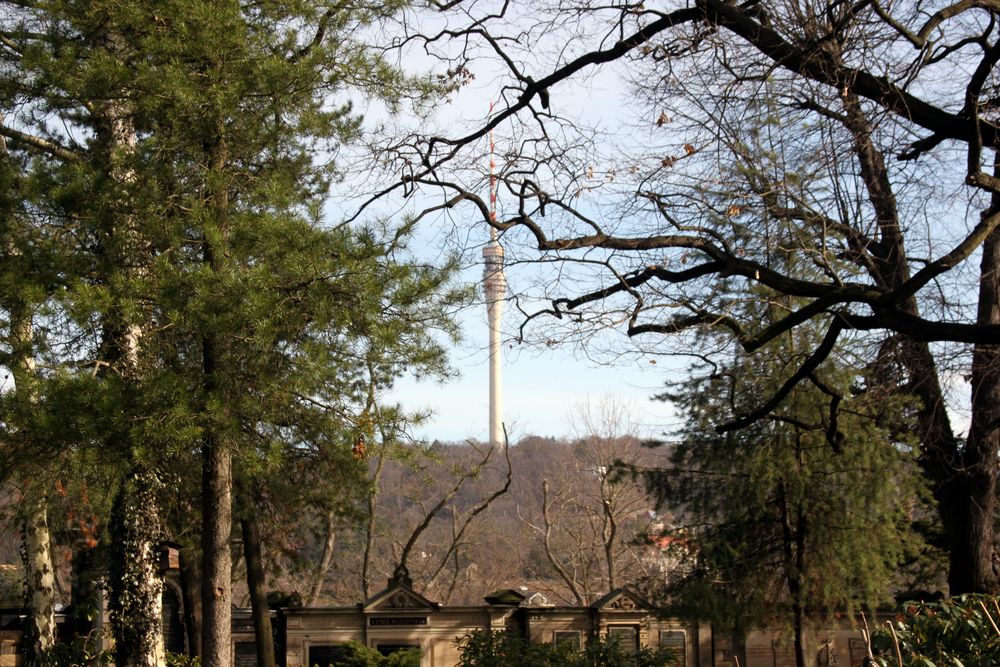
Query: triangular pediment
x,y
399,598
620,600
506,597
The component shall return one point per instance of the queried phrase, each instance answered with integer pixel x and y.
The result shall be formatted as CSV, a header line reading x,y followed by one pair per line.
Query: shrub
x,y
501,649
356,654
961,632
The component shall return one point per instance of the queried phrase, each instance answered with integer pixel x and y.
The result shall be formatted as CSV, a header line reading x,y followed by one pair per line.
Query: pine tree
x,y
798,516
217,310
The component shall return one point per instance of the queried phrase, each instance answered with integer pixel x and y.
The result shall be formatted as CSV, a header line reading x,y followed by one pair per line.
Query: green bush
x,y
181,660
357,654
961,632
79,651
501,649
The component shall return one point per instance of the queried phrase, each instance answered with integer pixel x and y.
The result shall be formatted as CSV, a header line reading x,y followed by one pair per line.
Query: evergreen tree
x,y
217,311
795,517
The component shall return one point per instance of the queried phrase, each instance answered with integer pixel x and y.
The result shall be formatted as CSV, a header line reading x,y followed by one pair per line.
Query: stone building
x,y
400,618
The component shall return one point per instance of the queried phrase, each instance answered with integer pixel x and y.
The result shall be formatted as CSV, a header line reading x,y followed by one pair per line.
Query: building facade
x,y
400,618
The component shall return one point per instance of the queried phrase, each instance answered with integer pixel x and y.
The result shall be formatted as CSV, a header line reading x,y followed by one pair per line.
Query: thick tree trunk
x,y
963,489
40,590
136,586
258,594
973,569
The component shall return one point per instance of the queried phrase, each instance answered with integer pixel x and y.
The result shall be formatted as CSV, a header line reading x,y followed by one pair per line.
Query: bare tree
x,y
661,241
593,518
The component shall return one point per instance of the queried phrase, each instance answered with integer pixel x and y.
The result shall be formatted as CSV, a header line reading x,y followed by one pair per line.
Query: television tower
x,y
495,289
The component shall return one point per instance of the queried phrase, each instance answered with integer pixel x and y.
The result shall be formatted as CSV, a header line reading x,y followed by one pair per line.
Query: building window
x,y
570,638
389,649
627,636
328,655
674,641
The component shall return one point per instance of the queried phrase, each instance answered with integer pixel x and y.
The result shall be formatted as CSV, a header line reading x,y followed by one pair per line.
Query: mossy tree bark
x,y
40,584
137,587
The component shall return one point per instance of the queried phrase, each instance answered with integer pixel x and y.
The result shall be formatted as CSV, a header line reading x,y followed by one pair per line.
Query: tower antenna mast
x,y
495,289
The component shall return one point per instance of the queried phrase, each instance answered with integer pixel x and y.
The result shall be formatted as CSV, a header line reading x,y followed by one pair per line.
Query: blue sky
x,y
541,387
541,384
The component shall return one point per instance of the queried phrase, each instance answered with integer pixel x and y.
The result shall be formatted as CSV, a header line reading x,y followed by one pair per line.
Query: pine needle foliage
x,y
200,301
799,516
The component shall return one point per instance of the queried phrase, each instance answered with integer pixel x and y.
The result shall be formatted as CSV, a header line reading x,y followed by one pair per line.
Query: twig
x,y
987,612
867,635
895,641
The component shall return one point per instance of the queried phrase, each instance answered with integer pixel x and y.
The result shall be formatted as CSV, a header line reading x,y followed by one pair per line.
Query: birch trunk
x,y
136,585
40,590
39,575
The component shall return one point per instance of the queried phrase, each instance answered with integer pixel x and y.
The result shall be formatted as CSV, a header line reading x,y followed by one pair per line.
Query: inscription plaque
x,y
245,655
398,620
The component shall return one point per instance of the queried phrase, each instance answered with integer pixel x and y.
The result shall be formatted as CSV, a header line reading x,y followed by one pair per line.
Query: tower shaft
x,y
495,288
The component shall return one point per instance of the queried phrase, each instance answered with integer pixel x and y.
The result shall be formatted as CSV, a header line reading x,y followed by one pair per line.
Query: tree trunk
x,y
136,586
370,525
798,623
793,553
217,477
798,601
972,564
256,586
191,590
325,561
609,531
85,593
40,589
217,465
964,478
39,574
550,554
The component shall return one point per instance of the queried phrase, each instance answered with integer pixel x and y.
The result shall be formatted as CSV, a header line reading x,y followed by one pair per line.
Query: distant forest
x,y
571,524
570,509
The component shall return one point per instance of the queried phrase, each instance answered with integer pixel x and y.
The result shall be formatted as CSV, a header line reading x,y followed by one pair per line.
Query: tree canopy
x,y
168,260
860,136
